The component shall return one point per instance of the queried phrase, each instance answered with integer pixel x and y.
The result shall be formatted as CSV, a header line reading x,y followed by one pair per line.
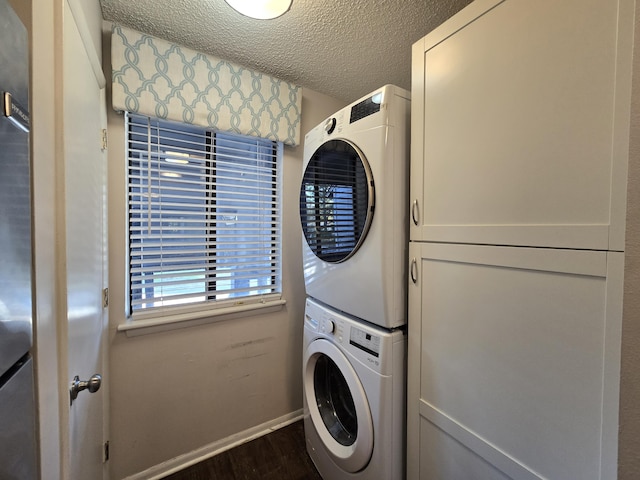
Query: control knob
x,y
330,125
329,326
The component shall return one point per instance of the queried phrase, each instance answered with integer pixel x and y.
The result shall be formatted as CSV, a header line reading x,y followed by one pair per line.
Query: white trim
x,y
90,48
611,366
476,444
621,124
576,262
587,237
200,317
51,386
460,20
188,459
414,364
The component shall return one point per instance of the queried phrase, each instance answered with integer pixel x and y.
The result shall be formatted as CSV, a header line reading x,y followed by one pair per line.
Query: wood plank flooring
x,y
280,455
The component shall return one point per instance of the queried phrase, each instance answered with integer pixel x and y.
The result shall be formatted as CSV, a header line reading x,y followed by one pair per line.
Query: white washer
x,y
354,396
354,208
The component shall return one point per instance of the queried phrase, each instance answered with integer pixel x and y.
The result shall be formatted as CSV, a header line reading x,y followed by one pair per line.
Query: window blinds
x,y
204,216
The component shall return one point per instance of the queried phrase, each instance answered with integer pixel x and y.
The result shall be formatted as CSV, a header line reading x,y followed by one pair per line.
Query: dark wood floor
x,y
280,455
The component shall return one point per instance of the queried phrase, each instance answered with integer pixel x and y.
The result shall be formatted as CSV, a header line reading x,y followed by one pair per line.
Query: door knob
x,y
77,385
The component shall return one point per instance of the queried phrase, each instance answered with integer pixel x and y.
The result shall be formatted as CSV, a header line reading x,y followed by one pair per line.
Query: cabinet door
x,y
520,123
513,363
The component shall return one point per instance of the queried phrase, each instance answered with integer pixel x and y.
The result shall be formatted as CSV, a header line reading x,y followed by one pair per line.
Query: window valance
x,y
157,78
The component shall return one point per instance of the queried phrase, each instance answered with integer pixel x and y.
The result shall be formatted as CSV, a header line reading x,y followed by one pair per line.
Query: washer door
x,y
338,406
336,200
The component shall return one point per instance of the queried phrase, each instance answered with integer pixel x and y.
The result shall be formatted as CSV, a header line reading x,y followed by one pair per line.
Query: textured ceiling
x,y
343,48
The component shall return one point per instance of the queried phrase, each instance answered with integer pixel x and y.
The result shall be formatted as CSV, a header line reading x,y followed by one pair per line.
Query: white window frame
x,y
213,308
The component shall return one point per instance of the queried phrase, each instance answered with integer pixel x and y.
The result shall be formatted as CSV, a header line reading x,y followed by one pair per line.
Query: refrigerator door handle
x,y
15,113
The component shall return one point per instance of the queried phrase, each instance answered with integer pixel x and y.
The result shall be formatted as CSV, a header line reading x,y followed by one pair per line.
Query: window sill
x,y
134,328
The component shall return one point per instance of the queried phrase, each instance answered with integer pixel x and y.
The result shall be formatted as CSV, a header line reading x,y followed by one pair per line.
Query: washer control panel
x,y
322,324
326,326
365,341
322,321
368,344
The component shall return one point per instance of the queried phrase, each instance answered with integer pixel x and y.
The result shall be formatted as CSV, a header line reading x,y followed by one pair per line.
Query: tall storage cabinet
x,y
520,125
513,367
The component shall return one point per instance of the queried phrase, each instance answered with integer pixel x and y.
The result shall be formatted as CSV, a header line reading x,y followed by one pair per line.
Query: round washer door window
x,y
338,406
336,200
334,401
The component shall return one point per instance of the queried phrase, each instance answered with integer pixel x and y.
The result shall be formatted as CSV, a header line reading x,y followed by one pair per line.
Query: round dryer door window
x,y
336,200
338,406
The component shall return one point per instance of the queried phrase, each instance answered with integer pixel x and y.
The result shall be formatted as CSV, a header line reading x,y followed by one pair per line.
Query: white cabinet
x,y
520,123
513,363
519,152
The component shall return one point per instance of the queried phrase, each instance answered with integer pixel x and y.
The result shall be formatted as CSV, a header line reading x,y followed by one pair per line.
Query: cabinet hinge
x,y
104,139
105,456
105,298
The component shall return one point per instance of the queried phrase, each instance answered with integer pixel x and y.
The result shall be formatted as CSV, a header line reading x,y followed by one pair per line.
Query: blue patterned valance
x,y
157,78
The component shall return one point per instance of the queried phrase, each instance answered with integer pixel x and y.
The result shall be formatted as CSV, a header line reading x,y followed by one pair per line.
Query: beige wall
x,y
629,438
177,391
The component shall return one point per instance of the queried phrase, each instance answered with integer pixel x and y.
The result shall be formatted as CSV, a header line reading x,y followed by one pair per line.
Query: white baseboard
x,y
186,460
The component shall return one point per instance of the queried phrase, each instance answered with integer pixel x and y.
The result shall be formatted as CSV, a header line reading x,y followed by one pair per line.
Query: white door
x,y
338,406
84,183
513,361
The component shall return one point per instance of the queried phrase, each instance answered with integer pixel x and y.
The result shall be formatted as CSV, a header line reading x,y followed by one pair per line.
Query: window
x,y
336,201
204,217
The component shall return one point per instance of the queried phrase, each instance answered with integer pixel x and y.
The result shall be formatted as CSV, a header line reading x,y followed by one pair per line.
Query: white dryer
x,y
354,396
353,208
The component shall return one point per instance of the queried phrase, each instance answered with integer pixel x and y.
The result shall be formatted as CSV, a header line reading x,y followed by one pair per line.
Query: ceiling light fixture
x,y
261,9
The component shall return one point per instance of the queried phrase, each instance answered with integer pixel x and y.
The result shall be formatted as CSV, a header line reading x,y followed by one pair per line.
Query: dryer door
x,y
336,200
338,406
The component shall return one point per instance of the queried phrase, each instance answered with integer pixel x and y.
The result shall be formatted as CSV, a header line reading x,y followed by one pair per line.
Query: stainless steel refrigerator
x,y
18,457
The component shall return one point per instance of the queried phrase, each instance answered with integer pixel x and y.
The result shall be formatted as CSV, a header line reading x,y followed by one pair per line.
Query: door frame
x,y
50,330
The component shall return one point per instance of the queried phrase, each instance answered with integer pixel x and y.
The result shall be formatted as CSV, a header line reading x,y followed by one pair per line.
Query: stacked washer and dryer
x,y
353,210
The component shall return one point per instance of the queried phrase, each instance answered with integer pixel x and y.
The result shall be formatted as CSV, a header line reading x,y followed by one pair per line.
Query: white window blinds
x,y
204,216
